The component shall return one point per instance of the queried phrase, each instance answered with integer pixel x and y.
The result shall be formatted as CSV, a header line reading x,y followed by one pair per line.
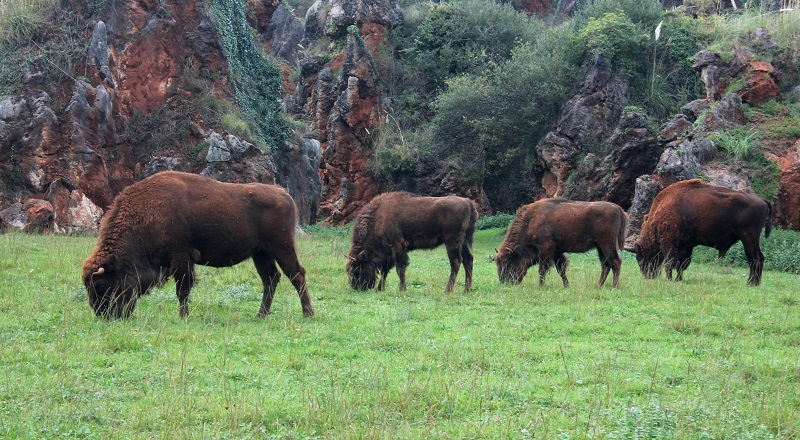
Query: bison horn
x,y
630,249
100,271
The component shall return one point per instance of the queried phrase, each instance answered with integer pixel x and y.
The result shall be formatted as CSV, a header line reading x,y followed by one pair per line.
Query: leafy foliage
x,y
614,36
500,220
487,125
468,37
256,78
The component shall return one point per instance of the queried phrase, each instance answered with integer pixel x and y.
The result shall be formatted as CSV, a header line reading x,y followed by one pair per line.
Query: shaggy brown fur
x,y
167,223
543,231
691,213
393,224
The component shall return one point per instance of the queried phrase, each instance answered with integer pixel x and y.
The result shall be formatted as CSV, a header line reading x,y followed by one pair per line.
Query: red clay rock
x,y
760,83
786,152
39,216
537,7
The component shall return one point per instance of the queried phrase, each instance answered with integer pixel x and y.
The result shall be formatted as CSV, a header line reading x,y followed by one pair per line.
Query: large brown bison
x,y
167,223
393,224
691,213
543,231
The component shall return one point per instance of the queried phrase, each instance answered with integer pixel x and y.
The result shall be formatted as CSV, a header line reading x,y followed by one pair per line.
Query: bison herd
x,y
164,225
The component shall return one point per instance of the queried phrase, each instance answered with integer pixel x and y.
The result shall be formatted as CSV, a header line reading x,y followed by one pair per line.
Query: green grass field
x,y
706,358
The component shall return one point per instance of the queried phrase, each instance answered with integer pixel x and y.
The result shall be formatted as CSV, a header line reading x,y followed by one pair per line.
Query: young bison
x,y
393,224
543,231
691,213
167,223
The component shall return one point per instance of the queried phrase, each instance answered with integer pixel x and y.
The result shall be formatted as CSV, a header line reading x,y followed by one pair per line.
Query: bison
x,y
165,224
692,213
393,224
543,231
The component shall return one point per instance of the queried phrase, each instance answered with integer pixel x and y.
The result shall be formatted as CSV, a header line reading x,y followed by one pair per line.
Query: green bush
x,y
468,37
644,13
486,126
781,252
500,220
622,43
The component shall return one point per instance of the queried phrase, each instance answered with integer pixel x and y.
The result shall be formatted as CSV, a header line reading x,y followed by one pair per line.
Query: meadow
x,y
708,358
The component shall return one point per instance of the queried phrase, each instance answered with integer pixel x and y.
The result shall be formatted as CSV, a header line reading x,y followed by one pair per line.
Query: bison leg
x,y
561,266
609,261
288,262
679,263
466,255
183,272
544,266
402,264
454,254
384,269
752,250
265,265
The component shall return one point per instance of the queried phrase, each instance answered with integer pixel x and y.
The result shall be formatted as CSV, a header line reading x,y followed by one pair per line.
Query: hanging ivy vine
x,y
256,79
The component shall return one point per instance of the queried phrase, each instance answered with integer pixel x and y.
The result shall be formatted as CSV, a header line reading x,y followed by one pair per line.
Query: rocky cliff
x,y
160,85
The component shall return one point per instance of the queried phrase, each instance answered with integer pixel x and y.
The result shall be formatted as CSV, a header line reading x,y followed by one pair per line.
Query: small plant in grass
x,y
739,142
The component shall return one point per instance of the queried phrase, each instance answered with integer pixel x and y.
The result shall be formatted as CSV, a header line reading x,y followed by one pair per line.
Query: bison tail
x,y
768,227
473,218
621,234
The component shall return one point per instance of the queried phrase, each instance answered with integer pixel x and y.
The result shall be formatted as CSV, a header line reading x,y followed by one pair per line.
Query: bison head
x,y
113,287
512,265
362,271
650,260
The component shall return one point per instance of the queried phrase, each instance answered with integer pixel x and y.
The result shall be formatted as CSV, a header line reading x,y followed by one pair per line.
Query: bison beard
x,y
543,231
691,213
164,225
393,224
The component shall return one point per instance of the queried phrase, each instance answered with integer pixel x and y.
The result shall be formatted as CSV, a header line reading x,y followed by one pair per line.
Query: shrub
x,y
500,220
781,252
643,13
486,126
398,153
614,36
468,37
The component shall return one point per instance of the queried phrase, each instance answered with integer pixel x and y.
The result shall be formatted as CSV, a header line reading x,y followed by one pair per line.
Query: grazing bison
x,y
543,231
393,224
691,213
167,223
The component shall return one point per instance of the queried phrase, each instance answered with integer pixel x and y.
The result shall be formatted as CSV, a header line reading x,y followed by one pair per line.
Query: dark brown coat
x,y
393,224
543,231
167,223
691,213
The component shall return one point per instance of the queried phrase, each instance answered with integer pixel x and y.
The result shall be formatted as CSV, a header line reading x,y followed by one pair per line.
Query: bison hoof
x,y
309,312
262,314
